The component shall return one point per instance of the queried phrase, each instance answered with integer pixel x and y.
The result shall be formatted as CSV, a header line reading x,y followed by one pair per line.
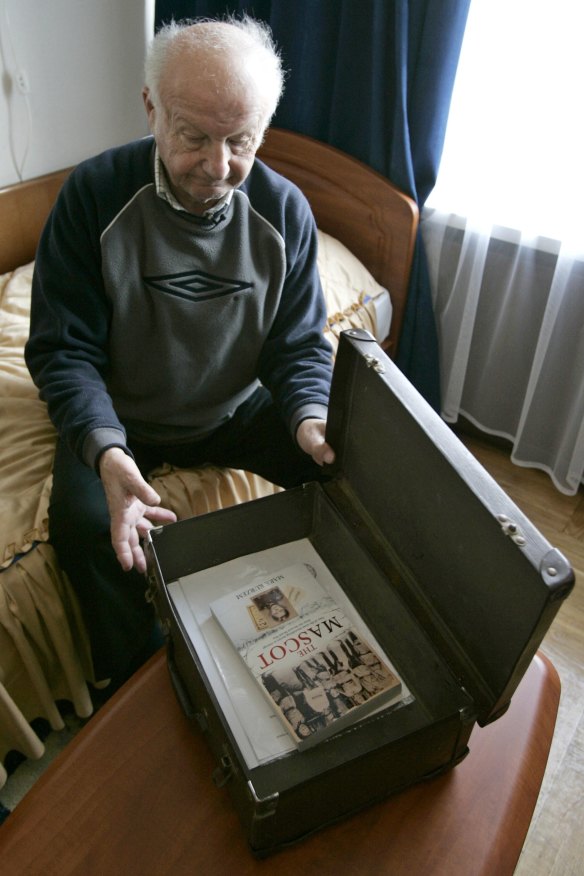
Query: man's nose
x,y
217,160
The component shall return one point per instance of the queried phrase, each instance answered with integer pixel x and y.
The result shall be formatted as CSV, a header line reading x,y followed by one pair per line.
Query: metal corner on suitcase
x,y
359,334
557,574
264,807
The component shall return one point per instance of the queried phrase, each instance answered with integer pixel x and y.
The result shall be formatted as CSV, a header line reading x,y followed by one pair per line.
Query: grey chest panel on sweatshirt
x,y
191,307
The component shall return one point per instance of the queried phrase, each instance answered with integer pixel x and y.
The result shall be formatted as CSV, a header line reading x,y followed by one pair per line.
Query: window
x,y
514,146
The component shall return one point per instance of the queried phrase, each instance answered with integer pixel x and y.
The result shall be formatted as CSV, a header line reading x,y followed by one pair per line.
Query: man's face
x,y
207,133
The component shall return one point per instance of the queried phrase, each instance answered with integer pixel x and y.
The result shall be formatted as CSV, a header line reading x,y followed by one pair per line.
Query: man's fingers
x,y
134,507
141,490
159,515
310,436
324,454
139,559
123,545
154,517
126,536
128,549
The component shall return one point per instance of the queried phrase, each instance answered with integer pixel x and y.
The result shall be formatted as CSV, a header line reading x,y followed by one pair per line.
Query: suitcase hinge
x,y
223,772
151,591
202,719
467,715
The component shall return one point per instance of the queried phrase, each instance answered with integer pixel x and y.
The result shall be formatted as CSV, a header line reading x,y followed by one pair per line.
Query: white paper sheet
x,y
257,730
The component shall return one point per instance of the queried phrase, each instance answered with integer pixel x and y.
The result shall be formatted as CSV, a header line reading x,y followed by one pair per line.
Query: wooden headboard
x,y
350,201
24,208
355,204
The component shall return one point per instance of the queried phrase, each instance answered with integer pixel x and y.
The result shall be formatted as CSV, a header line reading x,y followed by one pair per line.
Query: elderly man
x,y
177,317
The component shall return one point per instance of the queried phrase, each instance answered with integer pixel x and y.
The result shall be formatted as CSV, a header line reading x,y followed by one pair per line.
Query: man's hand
x,y
310,438
133,506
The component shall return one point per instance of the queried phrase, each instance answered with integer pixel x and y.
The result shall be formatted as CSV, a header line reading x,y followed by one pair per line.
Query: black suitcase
x,y
453,580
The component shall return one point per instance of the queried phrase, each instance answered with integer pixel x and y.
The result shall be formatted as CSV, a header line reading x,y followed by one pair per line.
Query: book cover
x,y
318,670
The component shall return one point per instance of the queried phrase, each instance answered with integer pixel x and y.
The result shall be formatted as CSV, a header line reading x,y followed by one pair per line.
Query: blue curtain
x,y
373,78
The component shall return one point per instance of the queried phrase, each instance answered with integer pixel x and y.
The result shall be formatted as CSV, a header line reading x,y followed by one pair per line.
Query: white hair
x,y
236,42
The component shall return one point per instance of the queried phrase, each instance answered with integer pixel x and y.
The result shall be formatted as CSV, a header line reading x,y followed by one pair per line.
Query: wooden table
x,y
132,795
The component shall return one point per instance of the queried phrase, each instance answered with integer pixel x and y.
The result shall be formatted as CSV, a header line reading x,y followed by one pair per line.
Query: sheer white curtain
x,y
505,236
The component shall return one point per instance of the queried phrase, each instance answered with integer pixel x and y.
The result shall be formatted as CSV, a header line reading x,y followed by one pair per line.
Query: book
x,y
309,659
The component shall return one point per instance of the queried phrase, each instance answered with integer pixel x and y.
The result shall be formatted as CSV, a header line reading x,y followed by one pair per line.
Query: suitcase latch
x,y
375,363
511,529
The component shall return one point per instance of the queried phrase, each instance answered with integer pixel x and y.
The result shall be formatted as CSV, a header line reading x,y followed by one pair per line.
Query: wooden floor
x,y
555,843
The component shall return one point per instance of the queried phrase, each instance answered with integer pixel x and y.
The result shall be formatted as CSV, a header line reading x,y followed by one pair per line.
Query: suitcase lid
x,y
480,577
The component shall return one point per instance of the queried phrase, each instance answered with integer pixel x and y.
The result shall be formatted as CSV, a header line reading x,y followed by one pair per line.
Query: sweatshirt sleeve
x,y
66,353
296,361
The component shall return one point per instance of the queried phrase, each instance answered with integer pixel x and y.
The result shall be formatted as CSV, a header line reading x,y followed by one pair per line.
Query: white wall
x,y
81,61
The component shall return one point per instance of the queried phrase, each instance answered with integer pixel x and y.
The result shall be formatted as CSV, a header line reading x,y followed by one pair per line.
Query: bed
x,y
367,231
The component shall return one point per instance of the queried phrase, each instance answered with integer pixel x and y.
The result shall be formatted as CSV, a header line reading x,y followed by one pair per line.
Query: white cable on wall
x,y
15,84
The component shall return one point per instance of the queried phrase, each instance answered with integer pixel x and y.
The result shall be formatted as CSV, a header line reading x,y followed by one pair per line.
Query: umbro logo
x,y
197,285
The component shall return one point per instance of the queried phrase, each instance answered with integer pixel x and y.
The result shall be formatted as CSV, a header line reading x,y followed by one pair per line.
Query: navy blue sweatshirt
x,y
151,323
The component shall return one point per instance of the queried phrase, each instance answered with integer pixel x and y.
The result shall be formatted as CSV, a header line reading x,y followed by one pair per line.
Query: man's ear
x,y
149,107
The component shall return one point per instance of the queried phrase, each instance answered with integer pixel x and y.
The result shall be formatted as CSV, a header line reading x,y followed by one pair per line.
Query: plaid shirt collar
x,y
163,190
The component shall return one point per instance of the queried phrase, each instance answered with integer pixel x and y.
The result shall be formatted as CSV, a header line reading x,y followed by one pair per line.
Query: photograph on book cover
x,y
270,609
254,720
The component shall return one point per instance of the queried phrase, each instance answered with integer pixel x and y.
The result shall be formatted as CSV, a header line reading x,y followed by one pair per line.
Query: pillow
x,y
344,278
354,299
